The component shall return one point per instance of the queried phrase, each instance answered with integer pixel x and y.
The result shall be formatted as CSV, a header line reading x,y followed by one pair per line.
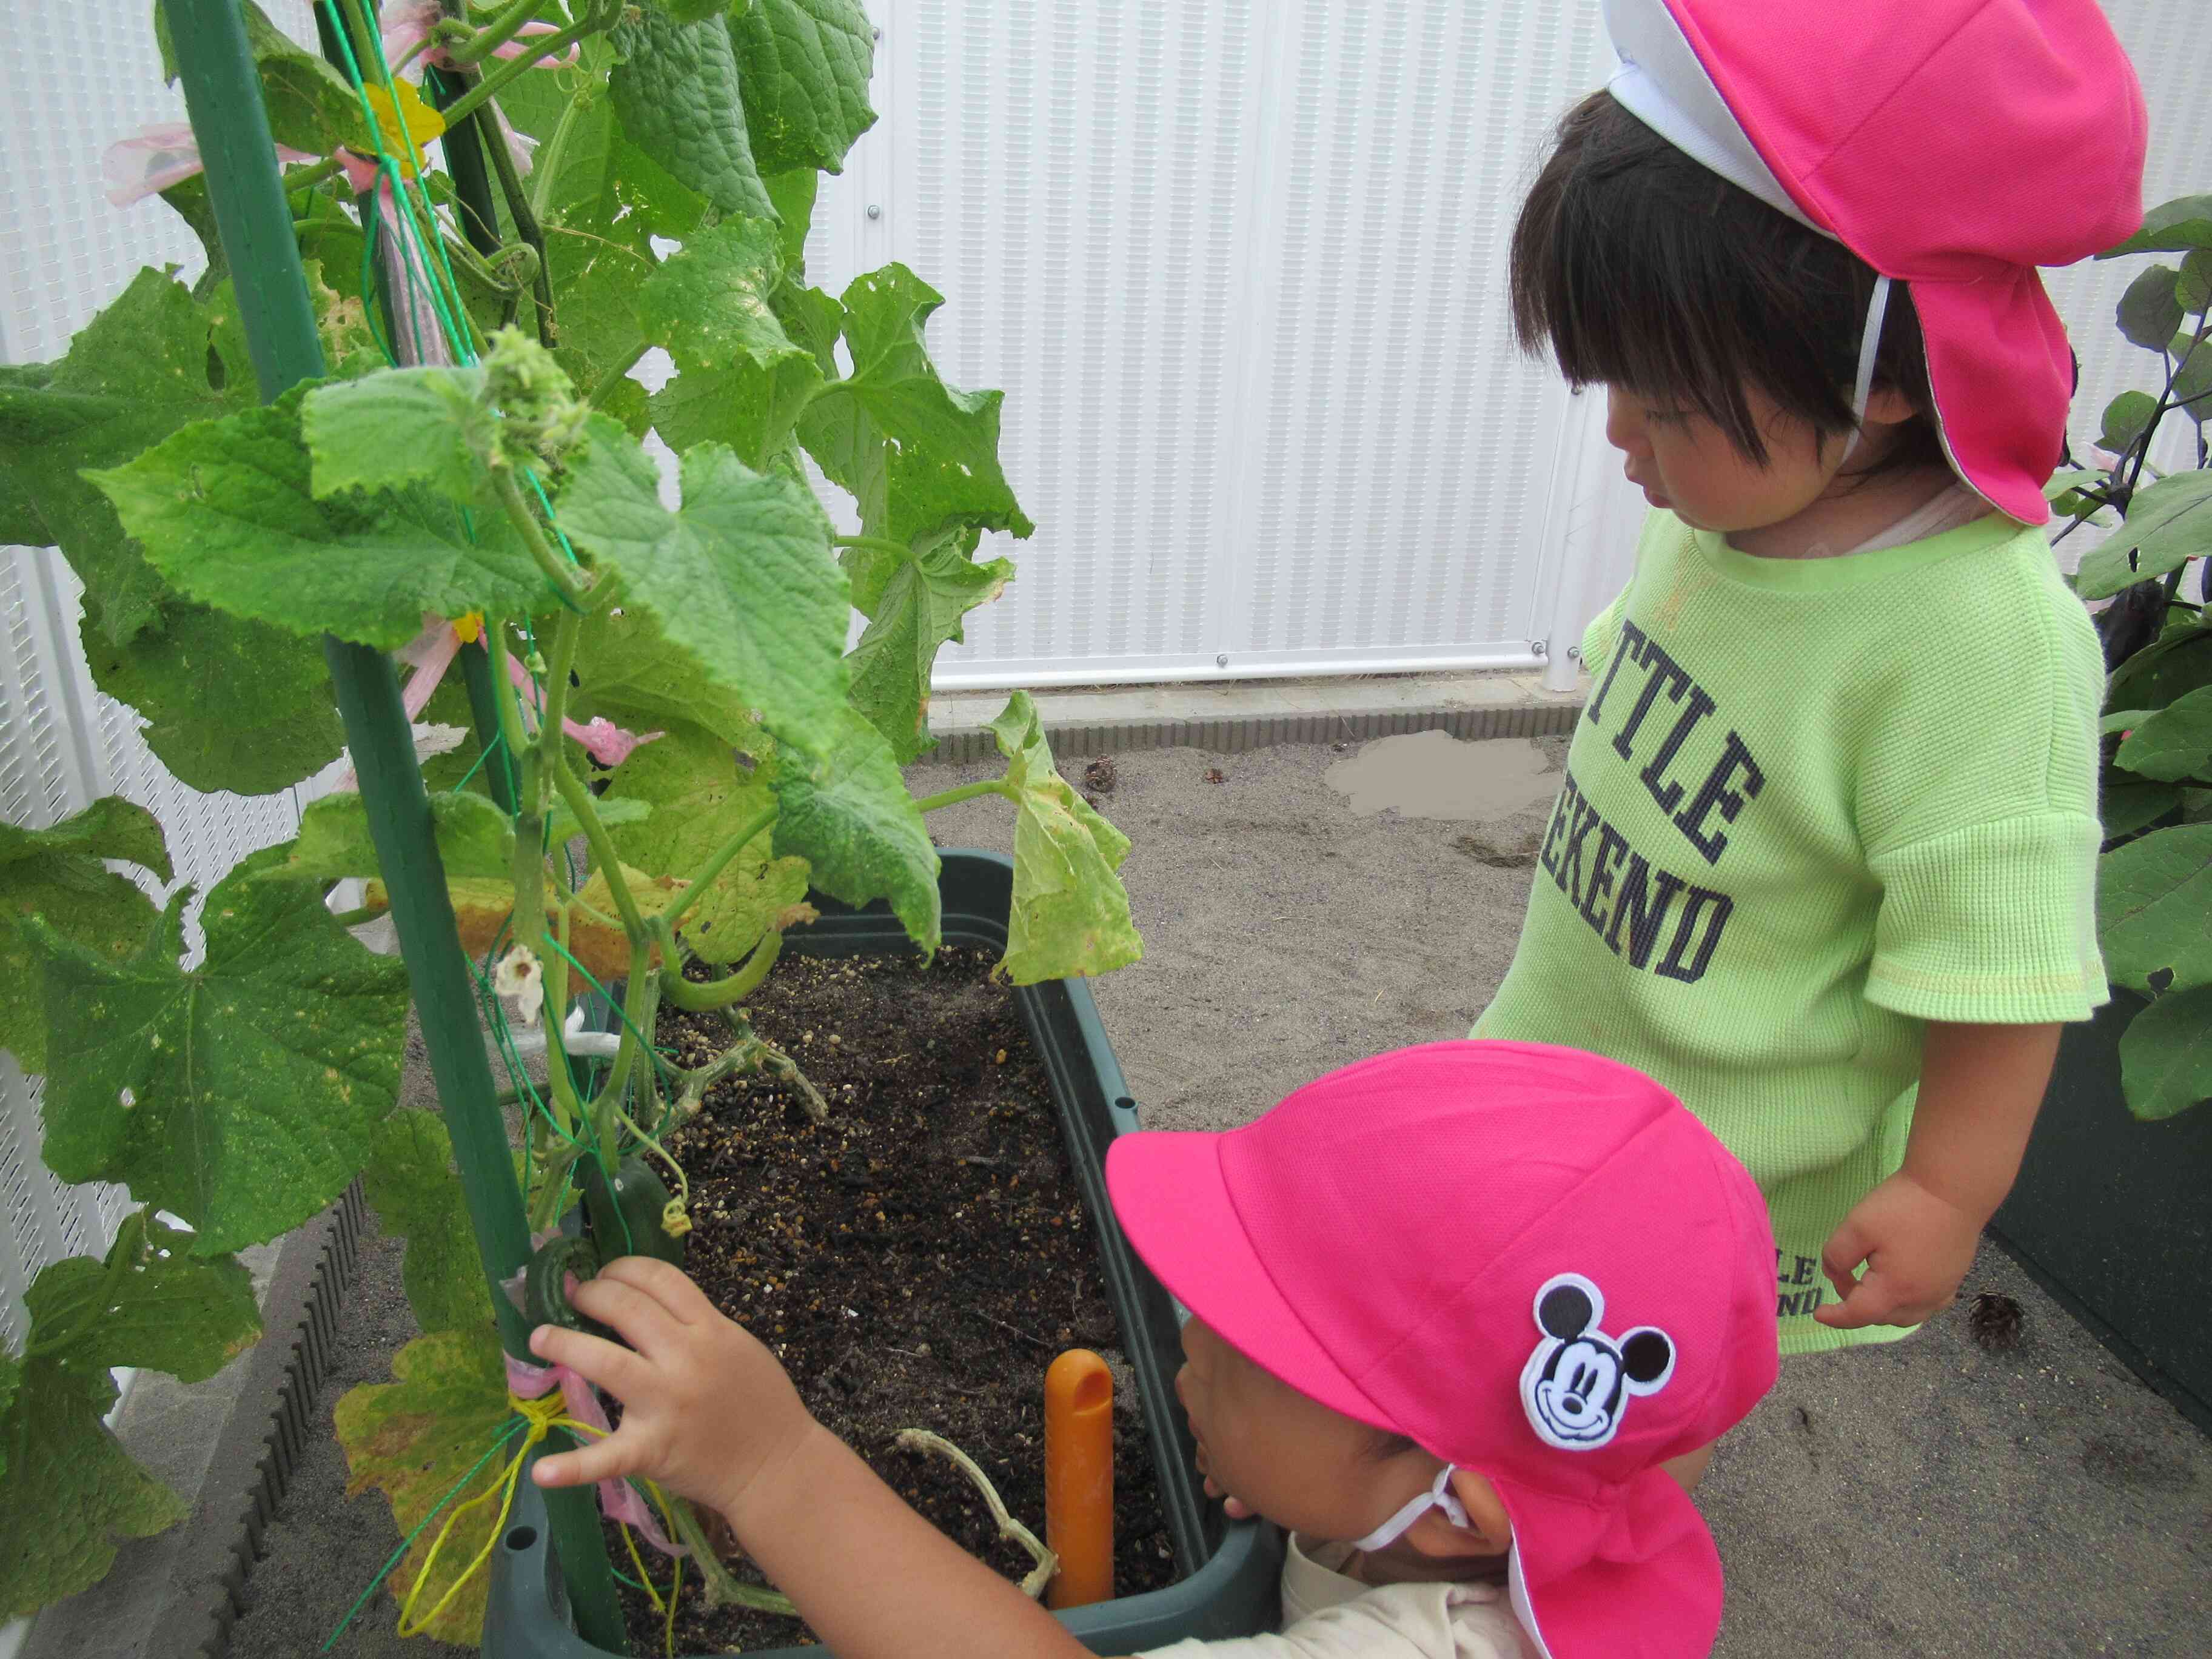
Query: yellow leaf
x,y
483,907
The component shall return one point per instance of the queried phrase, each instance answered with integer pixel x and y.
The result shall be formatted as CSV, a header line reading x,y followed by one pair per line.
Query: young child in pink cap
x,y
1451,1310
1823,863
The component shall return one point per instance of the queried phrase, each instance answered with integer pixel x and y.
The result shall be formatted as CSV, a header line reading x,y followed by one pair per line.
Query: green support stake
x,y
223,93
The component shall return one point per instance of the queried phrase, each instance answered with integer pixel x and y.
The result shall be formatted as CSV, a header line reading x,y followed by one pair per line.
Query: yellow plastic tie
x,y
542,1416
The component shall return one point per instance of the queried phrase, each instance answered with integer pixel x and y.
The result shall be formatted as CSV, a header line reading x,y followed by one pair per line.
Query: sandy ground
x,y
1925,1500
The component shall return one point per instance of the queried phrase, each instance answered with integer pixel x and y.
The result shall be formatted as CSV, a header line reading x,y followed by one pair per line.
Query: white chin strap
x,y
1869,345
1437,1496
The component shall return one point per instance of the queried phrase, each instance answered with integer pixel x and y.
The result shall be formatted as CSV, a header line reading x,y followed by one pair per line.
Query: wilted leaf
x,y
484,909
919,456
414,1439
920,609
1071,916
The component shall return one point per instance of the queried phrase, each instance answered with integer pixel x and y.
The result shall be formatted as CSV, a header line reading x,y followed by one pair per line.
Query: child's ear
x,y
1489,1531
1888,406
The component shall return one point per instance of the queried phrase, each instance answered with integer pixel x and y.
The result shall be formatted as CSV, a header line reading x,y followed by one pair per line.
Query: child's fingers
x,y
1846,1248
613,1299
607,1364
601,1460
684,1301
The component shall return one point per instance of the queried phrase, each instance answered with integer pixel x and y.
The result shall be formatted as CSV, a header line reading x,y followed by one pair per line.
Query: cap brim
x,y
1639,1581
2001,376
1171,1196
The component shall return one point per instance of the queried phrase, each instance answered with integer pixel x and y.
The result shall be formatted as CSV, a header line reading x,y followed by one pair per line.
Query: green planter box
x,y
1230,1571
2114,1215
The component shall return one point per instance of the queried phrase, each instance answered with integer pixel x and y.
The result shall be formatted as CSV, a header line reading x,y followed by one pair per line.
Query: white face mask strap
x,y
1869,347
1437,1496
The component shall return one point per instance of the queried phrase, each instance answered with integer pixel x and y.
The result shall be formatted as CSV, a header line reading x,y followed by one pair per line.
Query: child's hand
x,y
706,1408
1917,1247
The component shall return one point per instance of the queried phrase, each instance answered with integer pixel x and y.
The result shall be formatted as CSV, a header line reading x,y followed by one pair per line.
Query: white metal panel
x,y
1240,271
76,78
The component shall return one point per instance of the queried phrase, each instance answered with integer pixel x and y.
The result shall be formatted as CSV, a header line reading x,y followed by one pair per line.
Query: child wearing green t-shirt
x,y
1823,862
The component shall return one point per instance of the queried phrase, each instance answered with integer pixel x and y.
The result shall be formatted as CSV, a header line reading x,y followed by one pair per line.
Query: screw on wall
x,y
1574,653
1221,661
874,212
1540,649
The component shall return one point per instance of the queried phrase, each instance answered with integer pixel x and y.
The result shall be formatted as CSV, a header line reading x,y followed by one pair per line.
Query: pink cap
x,y
1953,145
1532,1261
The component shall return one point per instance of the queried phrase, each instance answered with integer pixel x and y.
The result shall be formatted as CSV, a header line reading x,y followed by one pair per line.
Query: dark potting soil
x,y
917,1261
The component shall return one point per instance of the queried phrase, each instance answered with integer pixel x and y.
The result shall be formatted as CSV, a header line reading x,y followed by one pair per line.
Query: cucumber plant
x,y
672,685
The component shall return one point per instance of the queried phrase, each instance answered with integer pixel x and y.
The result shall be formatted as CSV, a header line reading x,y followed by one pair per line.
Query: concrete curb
x,y
1235,733
258,1450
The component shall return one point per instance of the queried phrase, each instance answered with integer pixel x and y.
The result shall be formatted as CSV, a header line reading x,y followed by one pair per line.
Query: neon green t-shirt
x,y
1810,805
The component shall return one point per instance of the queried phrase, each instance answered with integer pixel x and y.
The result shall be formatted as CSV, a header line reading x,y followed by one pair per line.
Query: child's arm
x,y
1979,1089
708,1413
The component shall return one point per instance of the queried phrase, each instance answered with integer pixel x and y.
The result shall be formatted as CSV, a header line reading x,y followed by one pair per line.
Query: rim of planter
x,y
1230,1569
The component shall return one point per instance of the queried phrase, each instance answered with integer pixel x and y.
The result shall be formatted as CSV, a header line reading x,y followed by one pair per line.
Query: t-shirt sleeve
x,y
1977,811
1992,923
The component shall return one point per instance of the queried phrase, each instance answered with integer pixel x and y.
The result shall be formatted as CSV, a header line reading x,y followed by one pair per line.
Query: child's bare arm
x,y
1979,1089
708,1413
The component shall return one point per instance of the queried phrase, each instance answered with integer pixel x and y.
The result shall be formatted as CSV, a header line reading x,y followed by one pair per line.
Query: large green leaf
x,y
2192,376
2172,226
699,797
919,455
675,90
155,361
401,427
919,610
2127,806
229,704
418,1439
803,67
1071,916
2168,668
751,408
475,838
853,821
2154,906
226,510
742,381
2169,523
708,304
238,1095
630,673
410,1183
60,874
2173,742
2165,1056
2148,311
74,1494
150,1304
740,575
2194,289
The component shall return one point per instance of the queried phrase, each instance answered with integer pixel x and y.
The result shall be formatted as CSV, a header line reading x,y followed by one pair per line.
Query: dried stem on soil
x,y
1047,1564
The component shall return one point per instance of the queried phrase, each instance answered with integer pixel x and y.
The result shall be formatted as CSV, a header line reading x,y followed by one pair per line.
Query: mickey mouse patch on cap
x,y
1577,1383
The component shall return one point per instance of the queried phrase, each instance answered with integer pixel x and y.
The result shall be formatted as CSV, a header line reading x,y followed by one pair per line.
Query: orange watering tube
x,y
1078,1478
